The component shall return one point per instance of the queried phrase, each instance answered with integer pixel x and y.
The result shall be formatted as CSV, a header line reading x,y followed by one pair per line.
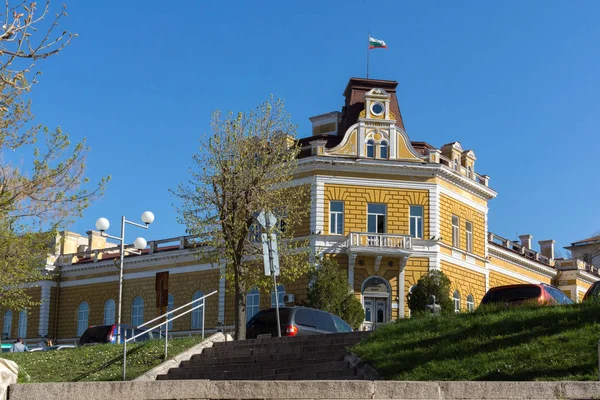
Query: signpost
x,y
270,255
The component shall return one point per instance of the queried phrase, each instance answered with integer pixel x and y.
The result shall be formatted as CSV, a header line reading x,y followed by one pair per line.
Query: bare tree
x,y
42,182
247,166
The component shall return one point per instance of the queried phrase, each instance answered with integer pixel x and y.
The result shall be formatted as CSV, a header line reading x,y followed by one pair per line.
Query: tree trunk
x,y
240,305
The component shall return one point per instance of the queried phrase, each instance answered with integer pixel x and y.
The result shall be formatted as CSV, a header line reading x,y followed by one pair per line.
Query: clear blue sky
x,y
516,81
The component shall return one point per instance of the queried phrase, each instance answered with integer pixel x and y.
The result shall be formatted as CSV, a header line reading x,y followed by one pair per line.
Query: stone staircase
x,y
318,357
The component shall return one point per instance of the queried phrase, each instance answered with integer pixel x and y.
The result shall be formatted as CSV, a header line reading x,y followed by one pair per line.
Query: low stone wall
x,y
250,390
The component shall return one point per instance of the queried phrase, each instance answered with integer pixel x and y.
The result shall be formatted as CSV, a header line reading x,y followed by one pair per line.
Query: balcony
x,y
378,243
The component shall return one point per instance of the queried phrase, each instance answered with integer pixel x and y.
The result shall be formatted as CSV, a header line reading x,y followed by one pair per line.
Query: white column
x,y
319,206
401,294
434,212
44,320
351,261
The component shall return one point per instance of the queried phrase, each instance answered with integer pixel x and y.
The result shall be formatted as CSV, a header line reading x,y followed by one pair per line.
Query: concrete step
x,y
274,349
303,366
324,355
293,340
262,375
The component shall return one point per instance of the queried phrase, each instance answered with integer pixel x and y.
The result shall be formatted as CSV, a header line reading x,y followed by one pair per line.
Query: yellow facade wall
x,y
181,286
461,192
498,279
520,270
33,316
356,199
466,281
450,207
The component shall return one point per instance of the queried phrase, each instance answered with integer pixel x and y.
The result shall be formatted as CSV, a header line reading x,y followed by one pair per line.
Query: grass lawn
x,y
521,344
81,363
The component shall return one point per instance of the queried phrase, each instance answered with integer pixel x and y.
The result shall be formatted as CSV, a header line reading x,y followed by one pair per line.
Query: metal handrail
x,y
166,323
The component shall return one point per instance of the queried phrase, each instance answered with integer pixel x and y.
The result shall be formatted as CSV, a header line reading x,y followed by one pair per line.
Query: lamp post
x,y
140,243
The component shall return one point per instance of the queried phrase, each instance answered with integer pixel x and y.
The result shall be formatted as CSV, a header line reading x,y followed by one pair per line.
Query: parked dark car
x,y
108,334
295,321
593,292
514,295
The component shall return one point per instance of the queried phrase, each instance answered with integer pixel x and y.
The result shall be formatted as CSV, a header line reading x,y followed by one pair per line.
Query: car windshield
x,y
510,294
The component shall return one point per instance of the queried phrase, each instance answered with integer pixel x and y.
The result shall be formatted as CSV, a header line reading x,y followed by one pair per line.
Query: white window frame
x,y
470,303
334,218
416,221
280,294
456,301
83,317
384,144
377,215
198,312
469,236
456,164
370,146
469,172
456,232
7,324
22,331
252,303
109,312
137,311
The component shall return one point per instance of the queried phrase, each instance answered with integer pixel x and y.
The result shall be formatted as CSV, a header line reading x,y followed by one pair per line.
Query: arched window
x,y
470,303
456,300
7,327
170,306
370,148
23,323
198,312
470,172
383,149
83,314
252,303
280,294
456,164
109,312
137,311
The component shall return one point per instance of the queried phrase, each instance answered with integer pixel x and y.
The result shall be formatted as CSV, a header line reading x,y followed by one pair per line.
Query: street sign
x,y
275,254
266,219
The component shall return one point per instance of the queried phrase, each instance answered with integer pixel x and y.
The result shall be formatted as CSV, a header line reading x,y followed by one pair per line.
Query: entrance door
x,y
375,312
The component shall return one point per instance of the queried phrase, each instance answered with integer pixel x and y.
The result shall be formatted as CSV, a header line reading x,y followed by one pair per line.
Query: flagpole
x,y
368,52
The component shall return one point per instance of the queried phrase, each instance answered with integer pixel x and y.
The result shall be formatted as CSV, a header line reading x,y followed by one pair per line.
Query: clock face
x,y
377,108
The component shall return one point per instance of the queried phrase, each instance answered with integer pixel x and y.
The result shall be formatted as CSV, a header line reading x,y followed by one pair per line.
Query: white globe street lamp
x,y
140,243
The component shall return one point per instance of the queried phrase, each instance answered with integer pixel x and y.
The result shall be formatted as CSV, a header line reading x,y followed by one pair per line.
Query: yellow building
x,y
386,208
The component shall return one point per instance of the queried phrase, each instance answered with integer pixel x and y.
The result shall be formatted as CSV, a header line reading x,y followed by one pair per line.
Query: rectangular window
x,y
376,216
469,233
455,232
416,222
336,217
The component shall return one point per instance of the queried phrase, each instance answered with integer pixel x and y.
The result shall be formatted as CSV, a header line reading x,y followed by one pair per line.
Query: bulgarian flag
x,y
376,43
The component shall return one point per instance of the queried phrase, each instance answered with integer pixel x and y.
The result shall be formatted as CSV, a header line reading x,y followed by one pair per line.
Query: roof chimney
x,y
547,248
526,241
95,240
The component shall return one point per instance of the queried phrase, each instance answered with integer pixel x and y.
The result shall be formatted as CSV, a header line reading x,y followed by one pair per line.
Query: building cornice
x,y
521,262
382,167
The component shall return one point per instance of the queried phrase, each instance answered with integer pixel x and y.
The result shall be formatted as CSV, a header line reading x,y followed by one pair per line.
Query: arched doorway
x,y
376,293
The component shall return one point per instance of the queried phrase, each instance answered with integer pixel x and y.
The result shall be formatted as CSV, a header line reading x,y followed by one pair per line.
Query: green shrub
x,y
434,283
329,292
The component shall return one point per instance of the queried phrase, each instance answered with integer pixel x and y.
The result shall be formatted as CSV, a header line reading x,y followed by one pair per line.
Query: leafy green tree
x,y
42,182
246,166
434,283
329,292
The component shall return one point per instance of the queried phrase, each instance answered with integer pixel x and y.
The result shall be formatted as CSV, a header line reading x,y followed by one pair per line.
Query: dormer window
x,y
456,164
370,148
469,172
383,149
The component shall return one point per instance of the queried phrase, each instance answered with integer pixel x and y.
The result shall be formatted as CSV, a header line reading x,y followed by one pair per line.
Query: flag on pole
x,y
376,43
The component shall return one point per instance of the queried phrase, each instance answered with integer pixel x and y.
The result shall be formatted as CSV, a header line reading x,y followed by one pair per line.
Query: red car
x,y
518,294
